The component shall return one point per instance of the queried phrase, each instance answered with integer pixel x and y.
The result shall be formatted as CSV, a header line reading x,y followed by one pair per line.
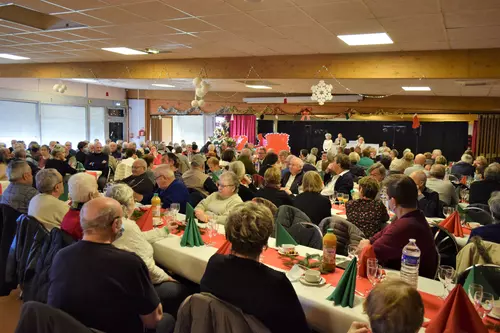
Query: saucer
x,y
320,283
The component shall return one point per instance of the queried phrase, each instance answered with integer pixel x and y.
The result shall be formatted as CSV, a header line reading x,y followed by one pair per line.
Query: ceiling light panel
x,y
366,39
123,50
416,88
162,85
12,56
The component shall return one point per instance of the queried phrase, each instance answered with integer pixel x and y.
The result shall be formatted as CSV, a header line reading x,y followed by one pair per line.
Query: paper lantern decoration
x,y
201,102
194,103
197,82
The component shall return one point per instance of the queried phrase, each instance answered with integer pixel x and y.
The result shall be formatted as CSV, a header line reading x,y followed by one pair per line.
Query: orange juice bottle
x,y
156,205
329,251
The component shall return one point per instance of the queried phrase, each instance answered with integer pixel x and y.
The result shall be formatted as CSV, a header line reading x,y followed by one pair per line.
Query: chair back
x,y
195,197
479,215
224,317
8,226
291,218
446,245
266,203
488,272
258,180
346,232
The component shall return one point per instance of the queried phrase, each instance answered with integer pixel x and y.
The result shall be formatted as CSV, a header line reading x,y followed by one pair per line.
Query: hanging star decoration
x,y
321,92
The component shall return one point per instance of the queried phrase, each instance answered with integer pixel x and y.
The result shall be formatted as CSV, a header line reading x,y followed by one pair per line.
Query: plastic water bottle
x,y
410,261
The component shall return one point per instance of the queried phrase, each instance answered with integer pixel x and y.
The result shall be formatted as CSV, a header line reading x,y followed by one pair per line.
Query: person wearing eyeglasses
x,y
169,189
139,180
220,203
45,206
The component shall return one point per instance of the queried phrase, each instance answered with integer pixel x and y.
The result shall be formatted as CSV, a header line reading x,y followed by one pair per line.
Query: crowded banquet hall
x,y
249,166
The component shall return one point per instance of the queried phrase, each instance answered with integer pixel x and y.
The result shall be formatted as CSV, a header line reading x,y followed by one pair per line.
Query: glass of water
x,y
484,303
174,208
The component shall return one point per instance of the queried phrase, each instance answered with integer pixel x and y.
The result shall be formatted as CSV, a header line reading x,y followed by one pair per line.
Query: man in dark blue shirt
x,y
169,189
490,232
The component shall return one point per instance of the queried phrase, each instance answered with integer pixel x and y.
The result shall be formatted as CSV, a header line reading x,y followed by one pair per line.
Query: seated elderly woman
x,y
170,292
367,213
220,203
272,189
355,169
310,201
82,188
247,190
267,294
399,165
44,156
59,162
45,206
391,306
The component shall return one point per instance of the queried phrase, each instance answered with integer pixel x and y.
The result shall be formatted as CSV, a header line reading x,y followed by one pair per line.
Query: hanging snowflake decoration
x,y
322,92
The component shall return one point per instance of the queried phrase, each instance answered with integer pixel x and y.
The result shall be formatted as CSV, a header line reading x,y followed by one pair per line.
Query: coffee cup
x,y
287,248
312,276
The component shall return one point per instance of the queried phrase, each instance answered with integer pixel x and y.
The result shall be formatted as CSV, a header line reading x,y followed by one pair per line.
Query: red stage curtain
x,y
243,125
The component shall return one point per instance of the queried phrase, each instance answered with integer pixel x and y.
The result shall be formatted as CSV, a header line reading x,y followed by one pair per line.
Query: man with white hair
x,y
46,206
490,232
169,189
70,151
196,178
444,188
436,153
20,191
418,165
113,147
100,162
100,285
139,180
293,177
481,191
464,167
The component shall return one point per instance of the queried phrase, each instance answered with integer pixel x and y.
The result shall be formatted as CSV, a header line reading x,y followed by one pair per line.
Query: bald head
x,y
419,178
420,159
100,219
139,167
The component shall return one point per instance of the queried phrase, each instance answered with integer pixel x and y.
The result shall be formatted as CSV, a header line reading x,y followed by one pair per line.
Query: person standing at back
x,y
101,286
98,161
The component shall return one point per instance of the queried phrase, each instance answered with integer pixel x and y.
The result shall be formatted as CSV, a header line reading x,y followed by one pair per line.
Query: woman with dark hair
x,y
44,156
82,152
268,295
227,157
59,161
269,161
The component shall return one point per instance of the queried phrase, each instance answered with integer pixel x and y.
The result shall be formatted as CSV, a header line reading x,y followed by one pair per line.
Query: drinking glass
x,y
447,211
175,207
445,274
484,303
339,197
373,271
462,219
211,228
333,197
473,289
345,198
353,251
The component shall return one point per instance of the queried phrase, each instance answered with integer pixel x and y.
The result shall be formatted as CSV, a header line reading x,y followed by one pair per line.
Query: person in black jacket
x,y
310,201
81,154
480,191
464,167
59,162
269,161
98,161
293,177
338,177
428,200
271,190
139,181
355,169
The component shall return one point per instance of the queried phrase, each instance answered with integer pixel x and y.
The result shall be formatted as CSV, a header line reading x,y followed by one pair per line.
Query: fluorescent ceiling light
x,y
163,85
11,56
416,88
85,80
257,86
123,50
366,39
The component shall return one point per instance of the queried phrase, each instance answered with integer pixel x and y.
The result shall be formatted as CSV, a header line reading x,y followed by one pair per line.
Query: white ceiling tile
x,y
154,10
475,91
423,46
281,17
473,34
427,21
41,6
351,27
427,34
151,28
476,44
115,15
264,5
475,18
233,22
395,8
190,25
345,10
79,5
203,8
259,34
303,3
83,19
460,5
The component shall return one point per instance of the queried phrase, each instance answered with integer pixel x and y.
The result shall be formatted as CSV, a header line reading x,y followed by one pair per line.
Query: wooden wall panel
x,y
488,143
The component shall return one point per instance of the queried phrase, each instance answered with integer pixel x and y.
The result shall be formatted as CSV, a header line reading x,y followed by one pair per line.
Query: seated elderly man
x,y
196,178
464,167
113,147
139,180
377,171
169,189
490,232
292,179
444,188
418,165
46,207
98,161
82,188
343,180
481,191
428,200
102,286
20,191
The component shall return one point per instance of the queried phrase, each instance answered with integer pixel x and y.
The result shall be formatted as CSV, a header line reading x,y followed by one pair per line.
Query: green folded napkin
x,y
282,236
343,294
191,236
462,211
476,275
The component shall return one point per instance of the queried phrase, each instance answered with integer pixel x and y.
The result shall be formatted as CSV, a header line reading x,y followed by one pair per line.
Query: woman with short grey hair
x,y
219,204
170,292
328,143
58,161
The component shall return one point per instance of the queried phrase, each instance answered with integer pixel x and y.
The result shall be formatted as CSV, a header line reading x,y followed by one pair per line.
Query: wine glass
x,y
174,208
473,289
373,271
445,274
484,303
447,211
345,198
339,198
211,227
353,251
332,197
462,219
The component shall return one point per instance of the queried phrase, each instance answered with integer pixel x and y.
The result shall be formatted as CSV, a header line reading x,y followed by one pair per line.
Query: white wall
x,y
136,118
188,128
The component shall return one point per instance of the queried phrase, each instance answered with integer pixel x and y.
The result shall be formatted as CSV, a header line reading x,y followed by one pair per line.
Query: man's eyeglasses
x,y
223,186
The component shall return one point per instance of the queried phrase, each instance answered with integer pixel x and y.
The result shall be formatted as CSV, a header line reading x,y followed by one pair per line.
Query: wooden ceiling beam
x,y
445,64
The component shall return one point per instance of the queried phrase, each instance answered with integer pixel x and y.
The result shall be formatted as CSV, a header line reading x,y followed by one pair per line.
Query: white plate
x,y
280,251
321,282
493,315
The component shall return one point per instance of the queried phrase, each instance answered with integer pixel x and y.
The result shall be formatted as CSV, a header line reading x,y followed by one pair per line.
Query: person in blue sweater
x,y
490,232
169,189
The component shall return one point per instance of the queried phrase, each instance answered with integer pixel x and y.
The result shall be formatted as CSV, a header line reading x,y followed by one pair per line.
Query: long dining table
x,y
322,315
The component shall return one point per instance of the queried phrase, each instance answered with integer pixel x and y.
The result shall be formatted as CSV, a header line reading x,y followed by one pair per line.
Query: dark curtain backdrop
x,y
264,126
450,137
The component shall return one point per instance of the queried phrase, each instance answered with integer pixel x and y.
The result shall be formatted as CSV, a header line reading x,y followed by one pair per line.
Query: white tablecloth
x,y
321,314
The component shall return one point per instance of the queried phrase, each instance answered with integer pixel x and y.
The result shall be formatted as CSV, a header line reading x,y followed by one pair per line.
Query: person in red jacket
x,y
410,223
82,187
